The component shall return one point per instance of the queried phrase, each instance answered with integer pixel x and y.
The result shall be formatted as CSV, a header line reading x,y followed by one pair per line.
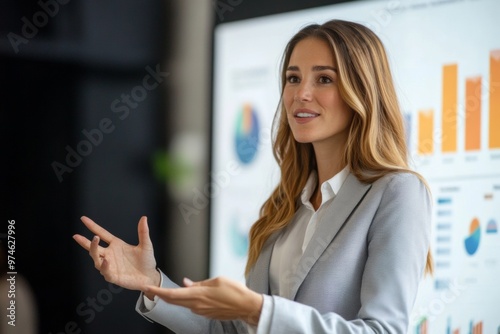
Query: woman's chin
x,y
303,139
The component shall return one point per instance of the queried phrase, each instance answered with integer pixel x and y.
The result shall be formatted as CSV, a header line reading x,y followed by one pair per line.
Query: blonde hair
x,y
376,143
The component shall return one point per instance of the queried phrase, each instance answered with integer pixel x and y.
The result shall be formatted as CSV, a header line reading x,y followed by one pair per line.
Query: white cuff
x,y
251,329
266,313
148,303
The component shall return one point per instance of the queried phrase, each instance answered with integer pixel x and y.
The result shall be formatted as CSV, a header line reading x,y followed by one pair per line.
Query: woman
x,y
342,242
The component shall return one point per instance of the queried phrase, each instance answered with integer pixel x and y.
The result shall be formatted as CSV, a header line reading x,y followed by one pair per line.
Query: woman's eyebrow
x,y
324,67
315,68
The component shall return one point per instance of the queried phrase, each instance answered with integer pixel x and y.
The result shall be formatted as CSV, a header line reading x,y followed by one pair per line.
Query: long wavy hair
x,y
376,142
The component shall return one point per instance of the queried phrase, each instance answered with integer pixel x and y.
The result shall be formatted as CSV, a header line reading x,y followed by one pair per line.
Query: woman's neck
x,y
329,161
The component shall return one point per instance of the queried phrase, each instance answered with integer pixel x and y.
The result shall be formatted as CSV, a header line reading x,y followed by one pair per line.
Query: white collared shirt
x,y
295,238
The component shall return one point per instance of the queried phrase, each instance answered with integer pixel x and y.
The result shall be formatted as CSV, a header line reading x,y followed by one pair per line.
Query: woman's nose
x,y
304,92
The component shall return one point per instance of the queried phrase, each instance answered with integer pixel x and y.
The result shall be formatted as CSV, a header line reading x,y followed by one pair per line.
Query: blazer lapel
x,y
258,277
350,194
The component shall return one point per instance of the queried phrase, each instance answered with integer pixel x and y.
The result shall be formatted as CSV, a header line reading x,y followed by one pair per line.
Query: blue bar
x,y
440,284
444,200
444,213
446,238
442,264
443,251
444,226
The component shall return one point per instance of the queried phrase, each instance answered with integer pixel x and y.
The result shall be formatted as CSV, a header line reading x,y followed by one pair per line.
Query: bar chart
x,y
474,112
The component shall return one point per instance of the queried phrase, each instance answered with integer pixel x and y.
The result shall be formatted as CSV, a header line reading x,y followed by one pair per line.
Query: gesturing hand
x,y
218,298
131,267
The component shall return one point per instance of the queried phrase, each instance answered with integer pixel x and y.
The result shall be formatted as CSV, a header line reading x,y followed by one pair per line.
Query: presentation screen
x,y
445,58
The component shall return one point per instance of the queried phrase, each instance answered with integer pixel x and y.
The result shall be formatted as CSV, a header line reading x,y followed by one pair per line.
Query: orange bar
x,y
477,328
449,112
425,131
494,127
247,118
473,114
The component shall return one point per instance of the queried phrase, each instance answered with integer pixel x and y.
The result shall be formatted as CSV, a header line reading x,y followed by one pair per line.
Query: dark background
x,y
62,82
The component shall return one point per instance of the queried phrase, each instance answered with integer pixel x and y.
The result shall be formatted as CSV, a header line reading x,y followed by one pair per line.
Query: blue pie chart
x,y
247,134
472,241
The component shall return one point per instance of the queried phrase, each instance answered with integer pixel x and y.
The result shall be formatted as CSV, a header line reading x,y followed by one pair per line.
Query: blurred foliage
x,y
171,169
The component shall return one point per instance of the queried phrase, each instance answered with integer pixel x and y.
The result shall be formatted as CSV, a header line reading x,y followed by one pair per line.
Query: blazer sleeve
x,y
181,320
397,241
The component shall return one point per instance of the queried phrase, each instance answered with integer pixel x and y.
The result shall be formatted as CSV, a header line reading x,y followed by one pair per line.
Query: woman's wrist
x,y
154,280
255,308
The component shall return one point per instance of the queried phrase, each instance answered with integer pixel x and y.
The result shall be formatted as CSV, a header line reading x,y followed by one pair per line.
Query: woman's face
x,y
316,113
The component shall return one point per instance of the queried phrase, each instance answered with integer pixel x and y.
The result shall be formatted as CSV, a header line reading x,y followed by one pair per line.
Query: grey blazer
x,y
359,273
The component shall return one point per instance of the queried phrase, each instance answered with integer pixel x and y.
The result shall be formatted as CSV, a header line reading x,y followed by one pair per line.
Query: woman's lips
x,y
304,116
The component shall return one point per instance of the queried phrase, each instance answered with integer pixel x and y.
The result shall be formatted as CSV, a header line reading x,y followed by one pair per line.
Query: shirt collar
x,y
329,188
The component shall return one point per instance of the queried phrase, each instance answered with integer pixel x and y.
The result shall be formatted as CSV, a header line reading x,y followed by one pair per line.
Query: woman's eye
x,y
325,80
292,79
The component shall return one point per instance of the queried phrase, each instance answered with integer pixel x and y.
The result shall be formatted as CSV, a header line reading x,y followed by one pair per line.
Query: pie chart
x,y
492,228
472,241
239,239
247,134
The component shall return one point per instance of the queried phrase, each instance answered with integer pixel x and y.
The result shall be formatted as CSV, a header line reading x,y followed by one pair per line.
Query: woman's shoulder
x,y
401,181
403,192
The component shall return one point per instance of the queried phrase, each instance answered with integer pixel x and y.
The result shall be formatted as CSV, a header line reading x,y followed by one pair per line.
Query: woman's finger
x,y
98,230
85,243
104,270
94,252
179,296
187,282
82,241
143,232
